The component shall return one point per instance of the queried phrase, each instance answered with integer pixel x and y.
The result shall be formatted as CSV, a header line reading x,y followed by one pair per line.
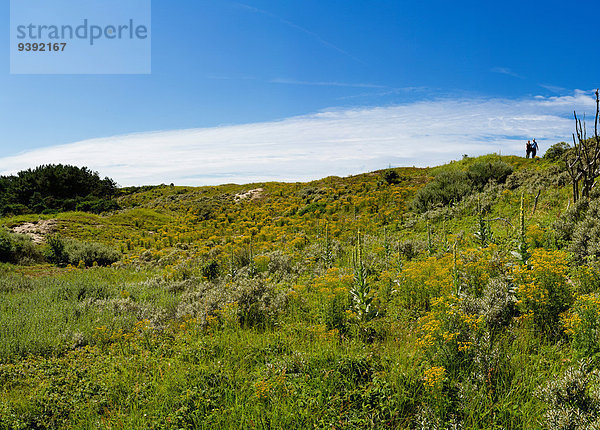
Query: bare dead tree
x,y
583,162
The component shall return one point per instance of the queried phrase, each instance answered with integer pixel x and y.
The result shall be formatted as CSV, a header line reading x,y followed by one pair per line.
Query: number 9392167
x,y
42,47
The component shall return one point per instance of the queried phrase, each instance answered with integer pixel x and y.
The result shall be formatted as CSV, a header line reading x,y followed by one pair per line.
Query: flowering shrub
x,y
275,386
447,334
332,290
434,378
543,293
424,279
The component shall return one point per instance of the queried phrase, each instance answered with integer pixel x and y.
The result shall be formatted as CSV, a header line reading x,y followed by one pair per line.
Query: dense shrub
x,y
310,194
537,179
312,207
481,173
97,205
211,270
448,186
573,400
453,185
556,151
565,225
55,251
390,176
6,246
90,253
409,249
585,241
497,305
578,229
70,251
206,209
586,279
258,303
17,248
279,263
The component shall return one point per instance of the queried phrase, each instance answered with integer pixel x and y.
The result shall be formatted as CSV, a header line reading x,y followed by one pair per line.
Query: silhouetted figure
x,y
534,148
528,148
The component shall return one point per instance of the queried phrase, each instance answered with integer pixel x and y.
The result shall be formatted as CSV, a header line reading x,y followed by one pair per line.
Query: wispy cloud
x,y
301,29
325,83
292,81
553,88
331,142
386,91
506,71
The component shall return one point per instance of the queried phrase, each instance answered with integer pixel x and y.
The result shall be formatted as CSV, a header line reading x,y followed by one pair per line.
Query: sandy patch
x,y
37,230
251,195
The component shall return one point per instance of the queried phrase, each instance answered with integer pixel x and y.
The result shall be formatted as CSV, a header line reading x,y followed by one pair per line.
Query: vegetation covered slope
x,y
354,302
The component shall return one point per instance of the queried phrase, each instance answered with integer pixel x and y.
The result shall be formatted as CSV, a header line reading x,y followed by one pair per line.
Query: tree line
x,y
56,188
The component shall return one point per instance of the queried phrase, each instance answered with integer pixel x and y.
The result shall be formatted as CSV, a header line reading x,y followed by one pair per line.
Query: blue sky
x,y
220,66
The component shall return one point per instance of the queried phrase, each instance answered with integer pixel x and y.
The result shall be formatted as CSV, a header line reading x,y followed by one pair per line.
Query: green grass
x,y
48,315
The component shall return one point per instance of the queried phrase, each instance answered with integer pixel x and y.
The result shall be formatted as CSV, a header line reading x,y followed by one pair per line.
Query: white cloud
x,y
332,142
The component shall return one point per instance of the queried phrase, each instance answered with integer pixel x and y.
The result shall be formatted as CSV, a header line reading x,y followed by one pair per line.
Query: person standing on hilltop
x,y
528,148
534,148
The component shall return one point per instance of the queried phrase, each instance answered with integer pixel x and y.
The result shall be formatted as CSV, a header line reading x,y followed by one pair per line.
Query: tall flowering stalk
x,y
362,301
522,252
429,241
484,232
327,252
455,271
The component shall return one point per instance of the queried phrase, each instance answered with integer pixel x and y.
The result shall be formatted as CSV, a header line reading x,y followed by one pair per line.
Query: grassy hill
x,y
371,301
